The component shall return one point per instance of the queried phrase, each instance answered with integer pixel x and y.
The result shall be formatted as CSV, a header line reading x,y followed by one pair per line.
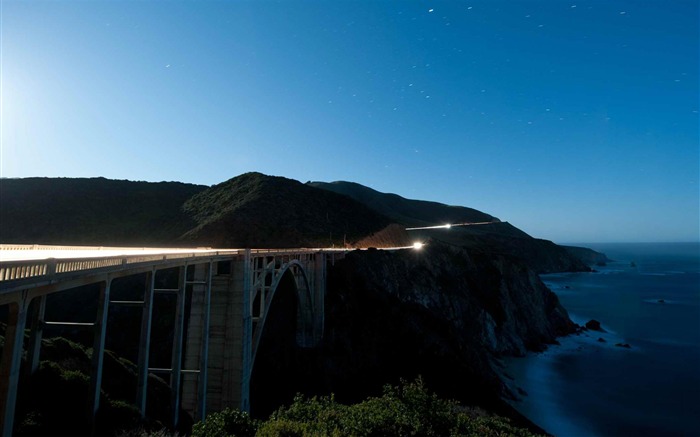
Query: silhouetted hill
x,y
405,211
250,210
497,237
95,211
265,211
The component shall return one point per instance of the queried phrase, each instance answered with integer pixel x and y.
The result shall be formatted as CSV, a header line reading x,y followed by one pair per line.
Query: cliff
x,y
588,256
442,312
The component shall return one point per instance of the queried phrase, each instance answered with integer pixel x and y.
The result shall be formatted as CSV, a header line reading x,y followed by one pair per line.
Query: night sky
x,y
576,121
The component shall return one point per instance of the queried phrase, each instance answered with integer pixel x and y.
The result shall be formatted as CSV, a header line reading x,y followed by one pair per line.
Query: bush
x,y
226,423
408,409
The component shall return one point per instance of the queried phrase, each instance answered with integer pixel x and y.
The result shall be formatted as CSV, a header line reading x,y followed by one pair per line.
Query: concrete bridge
x,y
228,293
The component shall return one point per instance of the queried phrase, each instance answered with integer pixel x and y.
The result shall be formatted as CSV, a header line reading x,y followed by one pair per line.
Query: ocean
x,y
649,298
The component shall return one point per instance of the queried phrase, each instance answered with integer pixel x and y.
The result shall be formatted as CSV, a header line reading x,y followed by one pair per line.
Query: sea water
x,y
649,298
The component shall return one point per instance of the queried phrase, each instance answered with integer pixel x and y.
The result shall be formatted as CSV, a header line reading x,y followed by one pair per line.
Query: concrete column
x,y
10,364
98,350
197,343
319,295
176,366
204,356
221,349
145,343
237,341
34,350
247,334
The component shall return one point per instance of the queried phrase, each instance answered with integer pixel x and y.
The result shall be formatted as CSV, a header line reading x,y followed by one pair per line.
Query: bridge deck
x,y
28,266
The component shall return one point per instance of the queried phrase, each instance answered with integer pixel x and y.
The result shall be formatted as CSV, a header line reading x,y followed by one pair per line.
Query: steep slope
x,y
588,256
405,211
265,211
443,312
497,237
95,211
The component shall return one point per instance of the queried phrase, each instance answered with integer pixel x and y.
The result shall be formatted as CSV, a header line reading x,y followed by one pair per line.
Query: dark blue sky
x,y
575,121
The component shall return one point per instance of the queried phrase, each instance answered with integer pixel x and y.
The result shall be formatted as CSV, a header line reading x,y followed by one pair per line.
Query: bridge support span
x,y
229,294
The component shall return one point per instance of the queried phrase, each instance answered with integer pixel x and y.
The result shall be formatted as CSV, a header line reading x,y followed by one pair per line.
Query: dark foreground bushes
x,y
405,410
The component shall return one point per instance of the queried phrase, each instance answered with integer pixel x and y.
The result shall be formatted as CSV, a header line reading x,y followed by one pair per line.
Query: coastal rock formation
x,y
588,256
594,325
442,312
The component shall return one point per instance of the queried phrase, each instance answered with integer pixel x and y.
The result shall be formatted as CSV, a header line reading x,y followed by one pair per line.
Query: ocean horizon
x,y
649,298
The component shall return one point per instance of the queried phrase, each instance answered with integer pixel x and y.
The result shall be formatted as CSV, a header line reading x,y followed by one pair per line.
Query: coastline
x,y
537,375
586,387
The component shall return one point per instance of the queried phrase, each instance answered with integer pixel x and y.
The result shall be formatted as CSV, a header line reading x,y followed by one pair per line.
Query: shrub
x,y
229,422
408,409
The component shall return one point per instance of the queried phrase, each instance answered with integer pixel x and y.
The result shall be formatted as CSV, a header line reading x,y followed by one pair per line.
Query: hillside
x,y
405,211
265,211
93,211
497,237
252,210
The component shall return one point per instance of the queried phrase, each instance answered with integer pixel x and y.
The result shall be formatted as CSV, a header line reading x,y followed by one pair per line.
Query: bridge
x,y
223,297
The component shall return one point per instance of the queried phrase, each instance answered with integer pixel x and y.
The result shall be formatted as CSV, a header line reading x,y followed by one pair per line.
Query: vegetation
x,y
53,401
408,409
255,210
95,211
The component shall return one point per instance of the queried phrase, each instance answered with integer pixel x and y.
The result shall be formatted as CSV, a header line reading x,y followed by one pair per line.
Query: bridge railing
x,y
16,270
13,270
15,247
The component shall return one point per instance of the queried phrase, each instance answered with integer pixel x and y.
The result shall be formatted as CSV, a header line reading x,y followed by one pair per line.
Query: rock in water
x,y
594,325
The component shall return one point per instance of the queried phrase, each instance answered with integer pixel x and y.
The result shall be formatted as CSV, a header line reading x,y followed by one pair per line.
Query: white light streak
x,y
449,225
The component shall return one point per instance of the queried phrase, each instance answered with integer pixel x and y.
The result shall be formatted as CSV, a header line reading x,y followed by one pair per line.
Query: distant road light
x,y
448,226
417,245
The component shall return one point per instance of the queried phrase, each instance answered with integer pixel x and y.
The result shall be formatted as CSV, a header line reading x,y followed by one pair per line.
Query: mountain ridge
x,y
252,210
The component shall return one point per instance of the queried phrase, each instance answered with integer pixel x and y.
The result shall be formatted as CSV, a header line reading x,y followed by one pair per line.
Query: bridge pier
x,y
11,360
98,349
229,357
37,332
145,343
194,384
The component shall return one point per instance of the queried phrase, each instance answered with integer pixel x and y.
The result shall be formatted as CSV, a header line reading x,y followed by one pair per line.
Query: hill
x,y
495,237
252,210
93,211
265,211
405,211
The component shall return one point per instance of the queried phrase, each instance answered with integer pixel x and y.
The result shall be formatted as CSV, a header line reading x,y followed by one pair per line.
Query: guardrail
x,y
13,270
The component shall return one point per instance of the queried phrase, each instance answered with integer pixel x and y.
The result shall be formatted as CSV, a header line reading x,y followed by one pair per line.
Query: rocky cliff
x,y
442,312
588,256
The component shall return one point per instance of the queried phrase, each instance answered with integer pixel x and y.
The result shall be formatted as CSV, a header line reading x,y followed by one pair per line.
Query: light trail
x,y
88,252
10,253
449,225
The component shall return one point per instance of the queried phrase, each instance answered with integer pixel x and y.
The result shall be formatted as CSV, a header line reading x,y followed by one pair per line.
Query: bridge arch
x,y
268,285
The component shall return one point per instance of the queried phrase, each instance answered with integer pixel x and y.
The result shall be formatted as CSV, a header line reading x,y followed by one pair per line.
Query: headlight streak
x,y
449,225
